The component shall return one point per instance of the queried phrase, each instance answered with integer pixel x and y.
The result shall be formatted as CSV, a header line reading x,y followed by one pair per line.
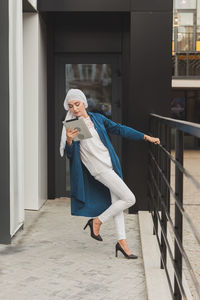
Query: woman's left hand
x,y
155,140
152,139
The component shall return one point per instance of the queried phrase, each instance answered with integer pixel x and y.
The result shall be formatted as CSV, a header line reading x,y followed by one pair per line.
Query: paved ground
x,y
54,258
191,202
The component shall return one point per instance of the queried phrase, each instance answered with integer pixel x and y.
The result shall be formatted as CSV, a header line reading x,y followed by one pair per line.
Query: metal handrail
x,y
171,257
185,126
181,248
182,169
185,215
162,190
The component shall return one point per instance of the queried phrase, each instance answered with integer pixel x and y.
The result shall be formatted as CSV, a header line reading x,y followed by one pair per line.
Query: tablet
x,y
84,132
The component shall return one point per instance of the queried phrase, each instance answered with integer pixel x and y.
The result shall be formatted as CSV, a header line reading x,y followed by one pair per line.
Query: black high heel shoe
x,y
96,237
118,247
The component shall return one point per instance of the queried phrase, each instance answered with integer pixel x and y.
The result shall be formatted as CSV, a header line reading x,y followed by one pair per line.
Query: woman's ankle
x,y
122,241
97,220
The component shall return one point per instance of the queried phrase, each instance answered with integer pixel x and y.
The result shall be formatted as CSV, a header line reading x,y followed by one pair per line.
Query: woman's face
x,y
77,107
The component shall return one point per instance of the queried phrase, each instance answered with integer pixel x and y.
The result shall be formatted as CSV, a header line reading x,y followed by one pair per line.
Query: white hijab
x,y
72,94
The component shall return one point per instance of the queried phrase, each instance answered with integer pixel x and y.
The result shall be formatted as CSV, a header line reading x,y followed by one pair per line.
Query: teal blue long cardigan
x,y
90,197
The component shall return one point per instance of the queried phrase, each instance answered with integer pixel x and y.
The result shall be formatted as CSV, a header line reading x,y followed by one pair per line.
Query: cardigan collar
x,y
98,127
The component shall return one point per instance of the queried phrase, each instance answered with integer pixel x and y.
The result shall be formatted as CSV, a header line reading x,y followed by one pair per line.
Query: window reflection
x,y
185,105
95,80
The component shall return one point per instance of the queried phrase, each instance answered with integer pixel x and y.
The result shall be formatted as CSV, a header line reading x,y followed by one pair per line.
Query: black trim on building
x,y
104,5
4,125
84,6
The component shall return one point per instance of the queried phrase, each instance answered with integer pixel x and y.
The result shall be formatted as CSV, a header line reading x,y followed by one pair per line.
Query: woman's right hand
x,y
70,134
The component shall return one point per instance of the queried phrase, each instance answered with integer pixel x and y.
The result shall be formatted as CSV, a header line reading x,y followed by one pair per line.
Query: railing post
x,y
187,64
178,215
150,121
159,160
176,65
164,198
152,167
154,173
155,134
168,165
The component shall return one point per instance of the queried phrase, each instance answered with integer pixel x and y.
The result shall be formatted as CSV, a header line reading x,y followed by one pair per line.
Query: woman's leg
x,y
119,220
122,198
118,187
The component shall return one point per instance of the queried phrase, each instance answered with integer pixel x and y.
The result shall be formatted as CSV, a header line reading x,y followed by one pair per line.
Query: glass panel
x,y
184,4
182,64
198,12
193,106
177,106
186,64
194,64
198,39
185,39
185,19
95,80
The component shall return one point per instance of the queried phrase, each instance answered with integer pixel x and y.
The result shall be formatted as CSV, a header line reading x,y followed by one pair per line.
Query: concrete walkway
x,y
54,258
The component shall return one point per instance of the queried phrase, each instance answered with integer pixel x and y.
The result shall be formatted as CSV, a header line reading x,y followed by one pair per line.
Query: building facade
x,y
185,102
110,50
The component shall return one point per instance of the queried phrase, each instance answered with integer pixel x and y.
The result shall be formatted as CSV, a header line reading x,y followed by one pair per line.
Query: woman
x,y
97,188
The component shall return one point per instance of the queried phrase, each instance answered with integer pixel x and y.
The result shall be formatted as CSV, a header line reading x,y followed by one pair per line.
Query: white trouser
x,y
121,197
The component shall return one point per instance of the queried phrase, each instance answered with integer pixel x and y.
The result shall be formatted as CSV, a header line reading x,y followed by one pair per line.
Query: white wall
x,y
185,83
42,113
16,116
35,111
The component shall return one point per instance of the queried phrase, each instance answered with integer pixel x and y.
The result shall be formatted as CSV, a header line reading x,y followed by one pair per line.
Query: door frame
x,y
60,59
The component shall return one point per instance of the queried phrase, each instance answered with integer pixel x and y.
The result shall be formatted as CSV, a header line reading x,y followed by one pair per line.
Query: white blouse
x,y
94,155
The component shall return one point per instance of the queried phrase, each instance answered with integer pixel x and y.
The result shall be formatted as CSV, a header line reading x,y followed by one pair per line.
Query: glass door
x,y
99,77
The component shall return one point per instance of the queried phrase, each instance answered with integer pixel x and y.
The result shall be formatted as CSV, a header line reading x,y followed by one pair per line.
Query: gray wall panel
x,y
88,32
153,5
150,89
86,5
66,41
